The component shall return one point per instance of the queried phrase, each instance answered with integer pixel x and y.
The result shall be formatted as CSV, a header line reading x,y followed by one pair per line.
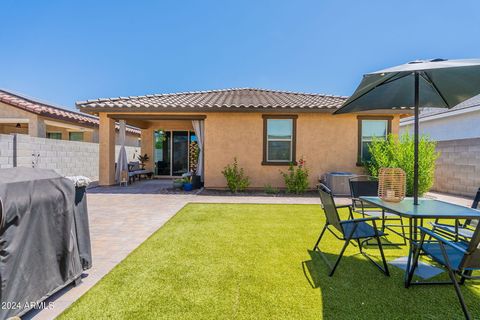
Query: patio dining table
x,y
426,209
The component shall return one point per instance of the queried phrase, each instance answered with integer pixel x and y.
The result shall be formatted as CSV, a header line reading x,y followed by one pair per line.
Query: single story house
x,y
457,134
23,115
264,129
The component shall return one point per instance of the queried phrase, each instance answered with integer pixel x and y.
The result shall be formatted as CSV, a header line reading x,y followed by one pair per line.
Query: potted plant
x,y
187,184
194,154
178,183
142,160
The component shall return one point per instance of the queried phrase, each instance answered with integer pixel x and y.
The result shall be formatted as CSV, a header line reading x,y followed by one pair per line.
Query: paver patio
x,y
121,222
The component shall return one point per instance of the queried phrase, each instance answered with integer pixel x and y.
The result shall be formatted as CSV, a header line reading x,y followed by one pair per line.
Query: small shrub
x,y
399,153
270,190
236,178
296,178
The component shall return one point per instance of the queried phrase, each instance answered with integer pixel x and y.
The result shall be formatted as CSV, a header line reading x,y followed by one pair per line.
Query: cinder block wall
x,y
6,151
66,157
458,167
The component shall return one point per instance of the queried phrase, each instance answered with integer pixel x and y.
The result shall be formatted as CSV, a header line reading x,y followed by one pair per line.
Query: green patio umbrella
x,y
437,83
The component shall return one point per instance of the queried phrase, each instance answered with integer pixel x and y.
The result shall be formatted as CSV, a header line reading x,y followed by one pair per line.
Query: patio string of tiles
x,y
121,222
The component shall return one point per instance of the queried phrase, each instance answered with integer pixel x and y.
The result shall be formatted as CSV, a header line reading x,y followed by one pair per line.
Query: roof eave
x,y
96,110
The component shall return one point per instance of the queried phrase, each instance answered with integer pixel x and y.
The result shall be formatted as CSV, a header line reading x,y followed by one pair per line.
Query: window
x,y
54,135
75,136
279,140
368,129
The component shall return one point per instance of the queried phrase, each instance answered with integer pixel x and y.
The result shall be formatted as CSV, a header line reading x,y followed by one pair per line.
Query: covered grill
x,y
44,237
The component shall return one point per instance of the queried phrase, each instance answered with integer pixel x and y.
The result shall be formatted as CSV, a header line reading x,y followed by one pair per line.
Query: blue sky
x,y
65,51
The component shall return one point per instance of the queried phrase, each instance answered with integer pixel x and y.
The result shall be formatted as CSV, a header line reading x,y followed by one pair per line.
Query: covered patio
x,y
164,138
144,186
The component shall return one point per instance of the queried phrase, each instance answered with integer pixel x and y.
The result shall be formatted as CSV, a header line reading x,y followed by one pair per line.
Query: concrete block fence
x,y
66,157
457,169
6,151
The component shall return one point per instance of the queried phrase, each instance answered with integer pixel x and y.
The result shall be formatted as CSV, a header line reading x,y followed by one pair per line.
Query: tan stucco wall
x,y
106,151
326,142
171,125
9,128
87,135
147,147
7,111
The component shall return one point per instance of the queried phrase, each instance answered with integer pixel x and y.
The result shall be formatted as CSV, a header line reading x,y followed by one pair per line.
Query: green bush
x,y
296,178
399,153
236,178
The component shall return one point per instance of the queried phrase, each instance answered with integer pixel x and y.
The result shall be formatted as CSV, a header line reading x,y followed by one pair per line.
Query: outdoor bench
x,y
134,172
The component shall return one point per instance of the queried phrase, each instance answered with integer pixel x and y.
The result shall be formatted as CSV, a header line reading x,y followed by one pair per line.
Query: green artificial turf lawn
x,y
243,261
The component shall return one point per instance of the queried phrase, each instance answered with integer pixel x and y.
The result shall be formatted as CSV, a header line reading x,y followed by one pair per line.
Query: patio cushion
x,y
134,166
454,256
364,230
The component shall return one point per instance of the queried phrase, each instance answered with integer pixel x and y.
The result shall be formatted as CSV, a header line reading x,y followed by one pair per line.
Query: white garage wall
x,y
454,127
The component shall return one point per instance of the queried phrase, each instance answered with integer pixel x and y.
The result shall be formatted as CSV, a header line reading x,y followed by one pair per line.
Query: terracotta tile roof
x,y
50,111
219,100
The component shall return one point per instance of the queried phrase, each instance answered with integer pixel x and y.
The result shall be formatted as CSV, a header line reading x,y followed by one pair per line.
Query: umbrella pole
x,y
416,134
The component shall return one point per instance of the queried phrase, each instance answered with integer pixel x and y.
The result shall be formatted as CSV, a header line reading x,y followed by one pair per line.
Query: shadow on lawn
x,y
359,290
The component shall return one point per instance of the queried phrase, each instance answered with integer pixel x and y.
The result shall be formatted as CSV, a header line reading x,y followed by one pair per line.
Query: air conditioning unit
x,y
337,182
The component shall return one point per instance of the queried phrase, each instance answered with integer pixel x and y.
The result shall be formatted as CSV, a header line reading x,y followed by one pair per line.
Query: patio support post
x,y
147,147
106,150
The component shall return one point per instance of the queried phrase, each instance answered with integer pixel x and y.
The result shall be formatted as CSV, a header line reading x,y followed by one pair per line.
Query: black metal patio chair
x,y
458,230
368,186
348,230
460,258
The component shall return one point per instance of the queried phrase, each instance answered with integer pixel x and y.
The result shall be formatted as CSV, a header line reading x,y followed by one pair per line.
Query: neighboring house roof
x,y
50,111
470,105
219,100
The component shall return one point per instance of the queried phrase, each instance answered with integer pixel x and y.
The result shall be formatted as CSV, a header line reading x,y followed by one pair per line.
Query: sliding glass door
x,y
171,152
162,151
180,153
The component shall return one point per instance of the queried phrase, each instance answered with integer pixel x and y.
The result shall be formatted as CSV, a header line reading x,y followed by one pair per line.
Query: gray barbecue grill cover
x,y
39,251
